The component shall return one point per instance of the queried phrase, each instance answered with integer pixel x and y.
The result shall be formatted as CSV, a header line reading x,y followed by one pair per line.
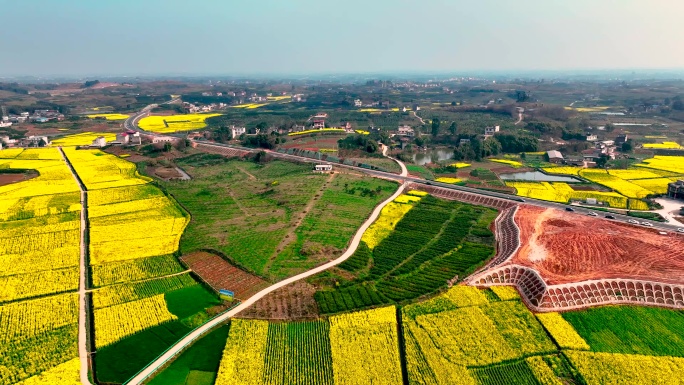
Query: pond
x,y
538,176
434,156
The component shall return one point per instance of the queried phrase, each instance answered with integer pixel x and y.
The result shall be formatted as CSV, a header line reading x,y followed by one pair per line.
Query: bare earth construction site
x,y
567,261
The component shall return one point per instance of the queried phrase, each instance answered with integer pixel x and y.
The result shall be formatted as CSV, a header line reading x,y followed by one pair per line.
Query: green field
x,y
276,219
198,364
435,241
631,330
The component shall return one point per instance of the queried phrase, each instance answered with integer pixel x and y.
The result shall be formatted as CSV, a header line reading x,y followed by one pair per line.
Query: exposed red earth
x,y
221,274
565,247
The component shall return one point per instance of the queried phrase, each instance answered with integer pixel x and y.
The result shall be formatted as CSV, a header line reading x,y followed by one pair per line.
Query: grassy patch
x,y
199,362
631,329
248,211
424,172
190,300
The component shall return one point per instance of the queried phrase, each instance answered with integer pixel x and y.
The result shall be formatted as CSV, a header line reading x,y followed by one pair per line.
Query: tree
x,y
453,128
167,147
602,160
435,126
521,96
627,146
223,134
609,127
677,104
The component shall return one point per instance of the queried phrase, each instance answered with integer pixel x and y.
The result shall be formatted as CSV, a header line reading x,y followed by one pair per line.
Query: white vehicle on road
x,y
680,230
593,214
649,224
632,221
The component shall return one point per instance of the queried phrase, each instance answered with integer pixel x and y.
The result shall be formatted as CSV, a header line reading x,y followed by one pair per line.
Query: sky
x,y
251,37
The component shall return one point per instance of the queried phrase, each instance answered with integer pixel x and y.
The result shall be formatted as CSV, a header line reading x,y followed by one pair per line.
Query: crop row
x,y
118,294
426,249
298,353
119,321
134,270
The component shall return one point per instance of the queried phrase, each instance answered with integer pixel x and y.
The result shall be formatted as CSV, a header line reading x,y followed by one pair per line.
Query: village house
x,y
358,103
163,139
676,189
555,157
405,130
490,131
621,139
35,141
99,142
323,167
590,137
318,123
235,132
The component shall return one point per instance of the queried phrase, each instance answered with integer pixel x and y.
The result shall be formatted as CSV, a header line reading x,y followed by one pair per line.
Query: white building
x,y
489,131
405,130
100,141
163,139
123,137
323,167
235,132
358,103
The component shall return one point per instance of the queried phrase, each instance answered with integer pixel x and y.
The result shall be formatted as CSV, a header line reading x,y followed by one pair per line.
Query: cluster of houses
x,y
193,108
38,116
29,141
131,138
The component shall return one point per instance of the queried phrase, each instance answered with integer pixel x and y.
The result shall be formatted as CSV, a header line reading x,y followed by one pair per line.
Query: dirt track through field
x,y
298,219
83,354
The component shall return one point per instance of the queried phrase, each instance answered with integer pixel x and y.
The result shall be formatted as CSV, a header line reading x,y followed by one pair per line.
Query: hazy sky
x,y
129,37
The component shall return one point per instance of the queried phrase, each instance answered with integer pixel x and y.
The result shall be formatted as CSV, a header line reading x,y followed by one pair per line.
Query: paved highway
x,y
132,121
667,227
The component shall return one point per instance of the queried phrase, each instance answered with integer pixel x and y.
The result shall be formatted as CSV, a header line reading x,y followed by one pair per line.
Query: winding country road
x,y
83,355
199,332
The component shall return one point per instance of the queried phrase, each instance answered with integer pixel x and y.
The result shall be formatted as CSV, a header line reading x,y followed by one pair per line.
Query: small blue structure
x,y
226,295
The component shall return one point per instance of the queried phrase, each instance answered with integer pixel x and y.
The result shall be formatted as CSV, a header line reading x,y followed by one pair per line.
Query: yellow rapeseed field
x,y
99,170
509,162
542,371
460,165
243,357
570,170
674,164
561,192
20,286
83,139
664,145
611,368
448,180
390,215
68,373
633,173
109,116
505,293
561,331
10,153
655,185
305,132
463,296
365,347
174,123
119,321
622,186
29,319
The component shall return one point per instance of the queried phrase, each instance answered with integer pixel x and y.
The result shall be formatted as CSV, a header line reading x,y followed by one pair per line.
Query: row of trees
x,y
476,149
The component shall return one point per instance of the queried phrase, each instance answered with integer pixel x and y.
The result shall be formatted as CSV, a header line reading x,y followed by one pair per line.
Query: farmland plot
x,y
434,242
